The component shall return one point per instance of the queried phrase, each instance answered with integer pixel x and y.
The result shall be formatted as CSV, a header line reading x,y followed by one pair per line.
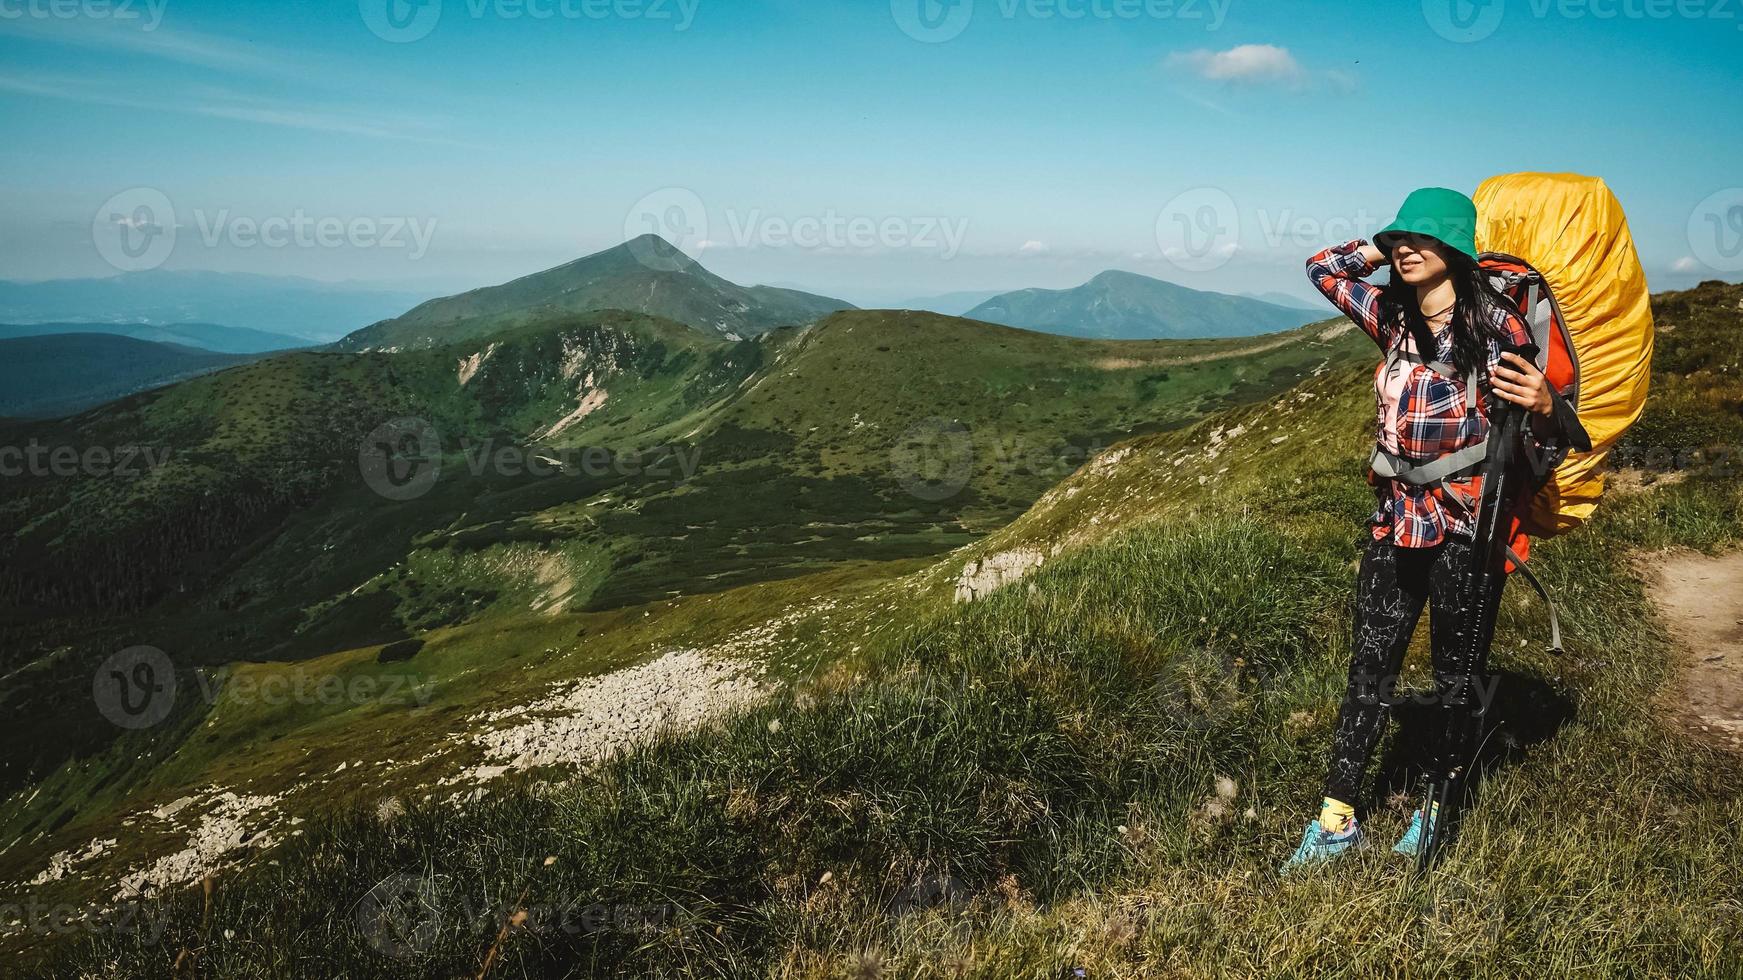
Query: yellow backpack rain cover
x,y
1572,230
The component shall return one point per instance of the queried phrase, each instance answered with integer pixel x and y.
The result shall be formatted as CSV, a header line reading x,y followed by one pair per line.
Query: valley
x,y
347,562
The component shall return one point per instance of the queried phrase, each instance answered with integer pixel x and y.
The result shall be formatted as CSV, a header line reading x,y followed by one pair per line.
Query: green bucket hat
x,y
1442,214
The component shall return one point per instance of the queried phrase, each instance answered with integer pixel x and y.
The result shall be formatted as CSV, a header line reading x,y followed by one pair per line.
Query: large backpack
x,y
1558,245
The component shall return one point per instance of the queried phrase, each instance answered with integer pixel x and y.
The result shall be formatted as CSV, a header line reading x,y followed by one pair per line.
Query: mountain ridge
x,y
646,275
1116,304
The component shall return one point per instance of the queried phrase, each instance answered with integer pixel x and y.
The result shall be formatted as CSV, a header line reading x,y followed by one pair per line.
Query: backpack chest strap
x,y
1453,466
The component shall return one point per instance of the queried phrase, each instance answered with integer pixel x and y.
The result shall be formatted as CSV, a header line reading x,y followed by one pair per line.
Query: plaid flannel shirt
x,y
1431,419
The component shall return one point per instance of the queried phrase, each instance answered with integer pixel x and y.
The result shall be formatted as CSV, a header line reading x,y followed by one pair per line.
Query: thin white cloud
x,y
220,104
1255,65
1033,247
1687,263
1242,63
182,47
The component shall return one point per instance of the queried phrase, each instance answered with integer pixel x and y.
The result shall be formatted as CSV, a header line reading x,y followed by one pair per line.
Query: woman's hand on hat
x,y
1520,382
1372,253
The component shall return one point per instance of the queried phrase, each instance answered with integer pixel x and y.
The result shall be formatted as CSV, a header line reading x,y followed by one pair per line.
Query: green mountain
x,y
64,373
1125,305
206,336
647,275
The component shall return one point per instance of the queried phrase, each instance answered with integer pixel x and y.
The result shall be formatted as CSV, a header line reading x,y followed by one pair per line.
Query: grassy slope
x,y
1027,784
310,571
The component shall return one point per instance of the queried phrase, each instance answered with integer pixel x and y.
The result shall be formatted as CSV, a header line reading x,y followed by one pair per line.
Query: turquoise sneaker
x,y
1411,842
1319,845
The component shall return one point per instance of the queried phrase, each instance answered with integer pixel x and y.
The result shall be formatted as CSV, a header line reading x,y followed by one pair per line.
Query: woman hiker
x,y
1442,328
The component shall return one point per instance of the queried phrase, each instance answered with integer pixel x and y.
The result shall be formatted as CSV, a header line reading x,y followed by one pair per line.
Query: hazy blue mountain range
x,y
303,308
65,373
647,275
949,304
206,336
1126,306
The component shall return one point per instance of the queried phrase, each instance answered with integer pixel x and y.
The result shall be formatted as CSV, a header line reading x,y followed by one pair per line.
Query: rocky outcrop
x,y
983,576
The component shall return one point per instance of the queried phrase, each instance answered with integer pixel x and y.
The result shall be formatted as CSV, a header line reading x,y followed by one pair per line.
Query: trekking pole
x,y
1484,581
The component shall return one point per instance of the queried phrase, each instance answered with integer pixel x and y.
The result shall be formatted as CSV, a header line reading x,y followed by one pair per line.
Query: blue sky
x,y
822,143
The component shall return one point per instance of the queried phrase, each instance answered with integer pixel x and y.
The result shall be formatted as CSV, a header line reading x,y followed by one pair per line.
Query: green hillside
x,y
64,373
1125,305
1098,770
755,476
647,275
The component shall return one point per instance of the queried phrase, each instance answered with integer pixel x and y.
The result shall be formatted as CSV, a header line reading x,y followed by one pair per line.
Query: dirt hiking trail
x,y
1701,599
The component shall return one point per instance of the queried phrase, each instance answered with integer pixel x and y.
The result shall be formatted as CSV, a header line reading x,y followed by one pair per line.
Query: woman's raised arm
x,y
1338,272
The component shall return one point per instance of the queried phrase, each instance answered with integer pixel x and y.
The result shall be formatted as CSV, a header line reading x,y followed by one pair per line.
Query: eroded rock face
x,y
983,576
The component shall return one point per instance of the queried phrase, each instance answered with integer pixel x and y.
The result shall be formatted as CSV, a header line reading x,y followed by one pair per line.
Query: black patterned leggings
x,y
1393,586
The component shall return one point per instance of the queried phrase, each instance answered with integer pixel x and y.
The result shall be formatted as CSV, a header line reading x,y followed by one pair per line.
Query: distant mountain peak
x,y
646,274
1123,305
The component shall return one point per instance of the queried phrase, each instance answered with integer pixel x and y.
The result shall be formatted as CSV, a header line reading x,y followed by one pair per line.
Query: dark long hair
x,y
1474,317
